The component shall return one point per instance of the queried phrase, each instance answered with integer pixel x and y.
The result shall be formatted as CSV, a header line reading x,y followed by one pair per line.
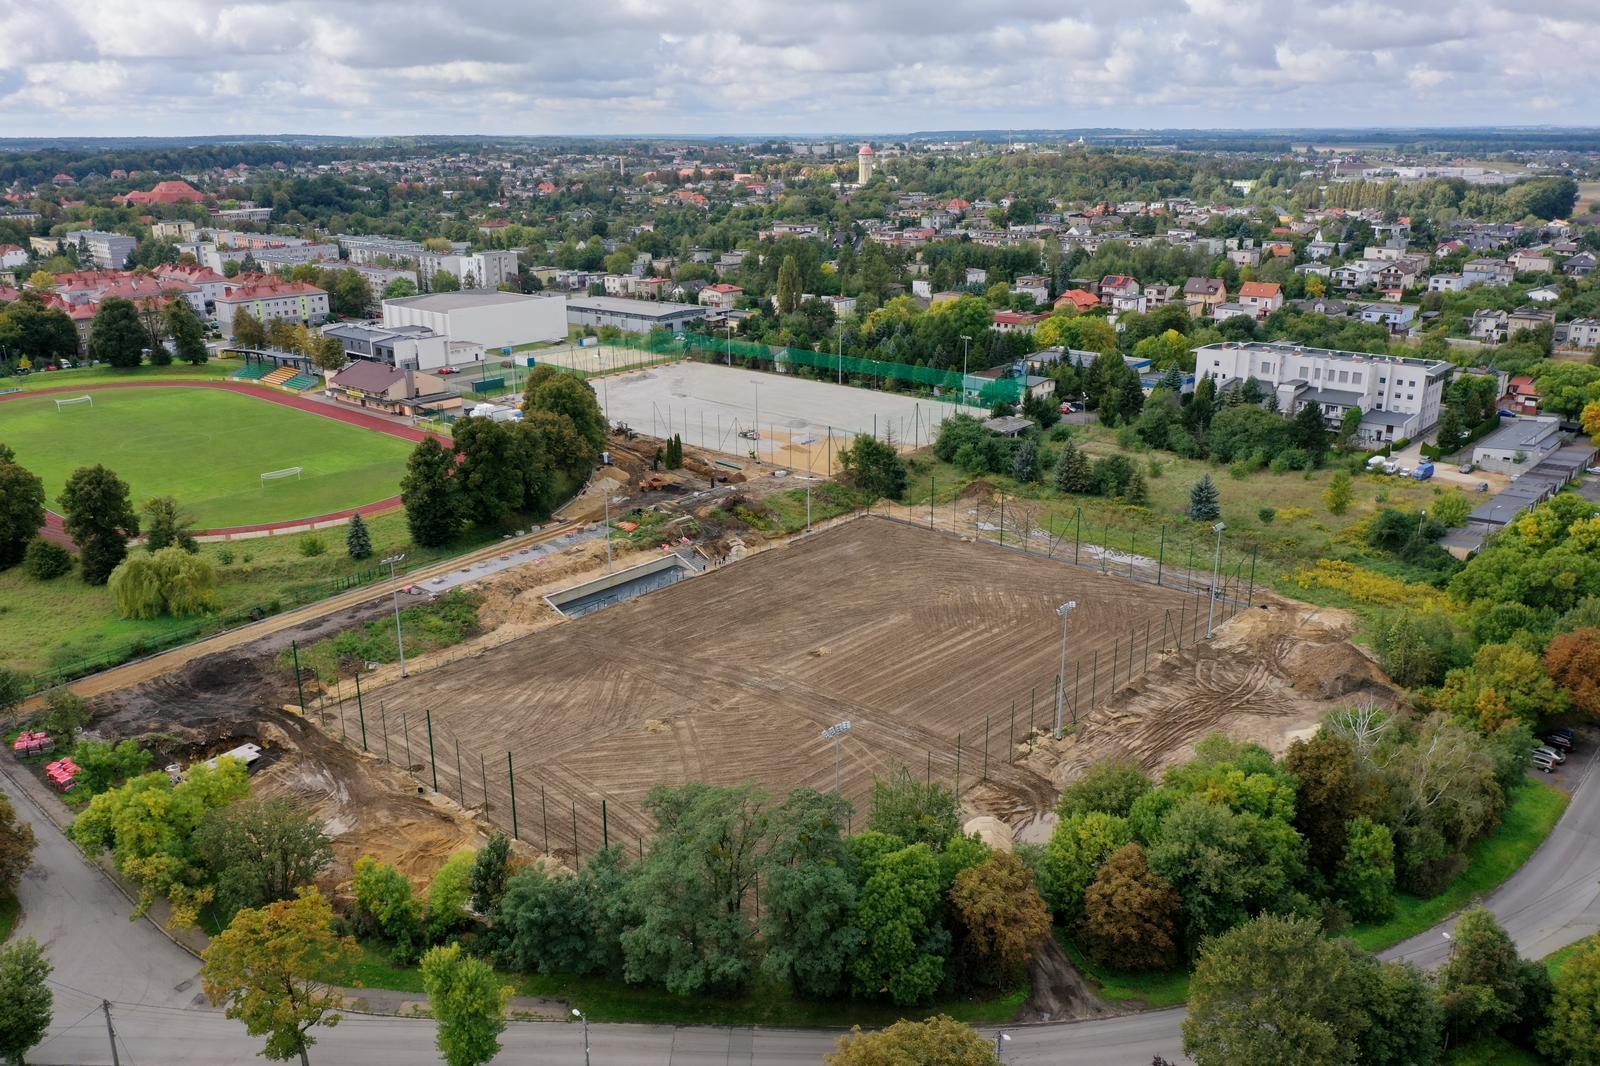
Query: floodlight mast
x,y
1061,678
836,733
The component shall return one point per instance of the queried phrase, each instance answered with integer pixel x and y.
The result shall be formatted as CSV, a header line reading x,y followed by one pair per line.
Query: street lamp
x,y
1061,678
579,1014
1000,1042
965,340
399,634
1216,568
836,733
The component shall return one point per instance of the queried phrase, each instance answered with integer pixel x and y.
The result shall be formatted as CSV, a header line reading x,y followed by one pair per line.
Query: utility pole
x,y
1216,566
399,635
836,733
965,341
105,1005
1061,681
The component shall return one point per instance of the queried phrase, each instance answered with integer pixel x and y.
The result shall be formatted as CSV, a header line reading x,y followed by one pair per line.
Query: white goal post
x,y
279,475
73,400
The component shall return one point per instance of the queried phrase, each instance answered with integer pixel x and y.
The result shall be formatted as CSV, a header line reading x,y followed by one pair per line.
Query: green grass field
x,y
207,448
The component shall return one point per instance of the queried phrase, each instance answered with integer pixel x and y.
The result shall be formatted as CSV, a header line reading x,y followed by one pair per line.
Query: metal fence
x,y
559,812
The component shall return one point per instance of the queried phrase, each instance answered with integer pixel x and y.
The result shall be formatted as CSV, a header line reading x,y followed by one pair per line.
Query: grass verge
x,y
1534,810
1154,990
427,626
764,1003
104,375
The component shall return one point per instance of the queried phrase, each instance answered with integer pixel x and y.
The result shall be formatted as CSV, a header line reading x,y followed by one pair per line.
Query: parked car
x,y
1544,764
1557,740
1466,468
1561,731
447,370
1555,755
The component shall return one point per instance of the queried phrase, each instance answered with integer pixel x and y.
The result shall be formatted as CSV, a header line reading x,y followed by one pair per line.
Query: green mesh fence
x,y
945,385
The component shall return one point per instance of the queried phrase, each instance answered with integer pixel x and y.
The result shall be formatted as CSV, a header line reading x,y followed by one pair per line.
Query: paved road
x,y
98,952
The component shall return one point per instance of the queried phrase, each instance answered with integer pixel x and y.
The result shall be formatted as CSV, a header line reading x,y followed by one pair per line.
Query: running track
x,y
54,530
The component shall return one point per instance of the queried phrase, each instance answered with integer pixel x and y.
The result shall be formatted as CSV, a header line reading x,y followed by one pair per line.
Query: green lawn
x,y
65,626
1534,810
207,448
765,1003
99,375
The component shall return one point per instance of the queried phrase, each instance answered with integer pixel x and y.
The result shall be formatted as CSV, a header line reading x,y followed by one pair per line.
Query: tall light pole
x,y
965,341
579,1014
1216,569
1000,1042
1061,679
399,634
836,733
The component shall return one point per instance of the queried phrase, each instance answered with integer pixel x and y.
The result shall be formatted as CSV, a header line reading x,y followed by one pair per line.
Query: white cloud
x,y
829,66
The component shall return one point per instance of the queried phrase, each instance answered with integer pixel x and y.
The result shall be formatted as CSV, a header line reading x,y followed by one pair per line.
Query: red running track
x,y
54,530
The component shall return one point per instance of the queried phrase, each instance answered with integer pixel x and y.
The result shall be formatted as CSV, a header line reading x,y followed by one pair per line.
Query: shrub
x,y
44,560
312,546
1267,514
225,557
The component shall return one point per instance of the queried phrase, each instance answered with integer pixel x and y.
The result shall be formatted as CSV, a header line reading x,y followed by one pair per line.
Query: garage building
x,y
631,316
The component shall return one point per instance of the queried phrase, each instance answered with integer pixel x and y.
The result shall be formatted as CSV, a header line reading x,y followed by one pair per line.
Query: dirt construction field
x,y
915,637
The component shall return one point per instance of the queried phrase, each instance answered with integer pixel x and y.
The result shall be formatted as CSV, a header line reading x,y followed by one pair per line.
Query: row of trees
x,y
498,469
325,352
1371,806
123,331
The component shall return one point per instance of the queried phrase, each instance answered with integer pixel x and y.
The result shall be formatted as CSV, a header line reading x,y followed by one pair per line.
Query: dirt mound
x,y
1059,990
980,489
1330,670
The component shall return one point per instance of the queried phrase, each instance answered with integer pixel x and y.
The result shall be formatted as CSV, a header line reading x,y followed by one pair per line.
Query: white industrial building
x,y
632,316
478,270
405,347
1398,397
489,317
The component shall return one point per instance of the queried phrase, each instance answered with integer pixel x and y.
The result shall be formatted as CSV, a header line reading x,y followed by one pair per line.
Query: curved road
x,y
161,1017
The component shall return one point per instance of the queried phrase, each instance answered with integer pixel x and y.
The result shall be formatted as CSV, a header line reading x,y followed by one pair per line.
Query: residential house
x,y
1261,297
977,276
1079,299
1449,283
1522,395
1396,318
1544,294
1034,285
108,251
1223,312
1580,265
377,386
1159,295
1323,305
12,256
1579,333
1400,274
1244,257
1527,261
1489,272
1122,292
1528,318
1398,397
1018,321
1202,295
722,296
1357,274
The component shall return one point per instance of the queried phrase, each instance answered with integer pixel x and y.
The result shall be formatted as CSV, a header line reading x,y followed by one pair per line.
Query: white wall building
x,y
1397,397
488,317
479,270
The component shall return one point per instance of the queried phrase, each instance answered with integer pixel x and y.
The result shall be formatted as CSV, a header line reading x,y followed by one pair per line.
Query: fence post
x,y
1250,598
383,721
1161,554
544,816
1077,679
461,780
1077,537
294,650
483,781
1147,645
361,712
405,731
1094,679
1011,737
986,747
958,767
1002,518
1116,650
1183,605
511,778
432,762
1105,548
343,733
574,832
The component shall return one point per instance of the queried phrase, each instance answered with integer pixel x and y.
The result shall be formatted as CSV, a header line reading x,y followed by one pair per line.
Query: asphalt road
x,y
161,1017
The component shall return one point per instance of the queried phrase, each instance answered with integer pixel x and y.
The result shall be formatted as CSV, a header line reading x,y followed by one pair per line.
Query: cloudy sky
x,y
185,67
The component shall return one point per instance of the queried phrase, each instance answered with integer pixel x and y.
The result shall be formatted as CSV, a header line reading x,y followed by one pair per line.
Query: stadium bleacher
x,y
278,376
253,372
302,382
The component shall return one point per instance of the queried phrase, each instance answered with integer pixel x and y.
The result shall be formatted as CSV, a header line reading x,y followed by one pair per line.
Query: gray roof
x,y
1520,433
618,305
1385,418
1341,397
368,376
466,298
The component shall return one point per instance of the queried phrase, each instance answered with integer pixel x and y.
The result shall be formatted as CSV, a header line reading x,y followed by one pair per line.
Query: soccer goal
x,y
280,475
74,400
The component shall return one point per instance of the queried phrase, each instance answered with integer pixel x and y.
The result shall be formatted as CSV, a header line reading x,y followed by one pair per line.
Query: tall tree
x,y
26,1002
188,335
99,518
261,851
789,285
809,893
1338,494
490,870
1486,986
16,847
248,330
274,967
570,395
117,336
1131,915
21,509
1573,1032
166,526
897,912
1329,795
429,492
914,811
468,1003
358,538
1074,472
1311,431
1000,920
1205,502
29,327
692,887
874,467
488,479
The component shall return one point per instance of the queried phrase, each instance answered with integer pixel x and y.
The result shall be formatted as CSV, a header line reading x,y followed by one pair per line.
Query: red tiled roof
x,y
1262,289
1082,299
165,192
267,290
